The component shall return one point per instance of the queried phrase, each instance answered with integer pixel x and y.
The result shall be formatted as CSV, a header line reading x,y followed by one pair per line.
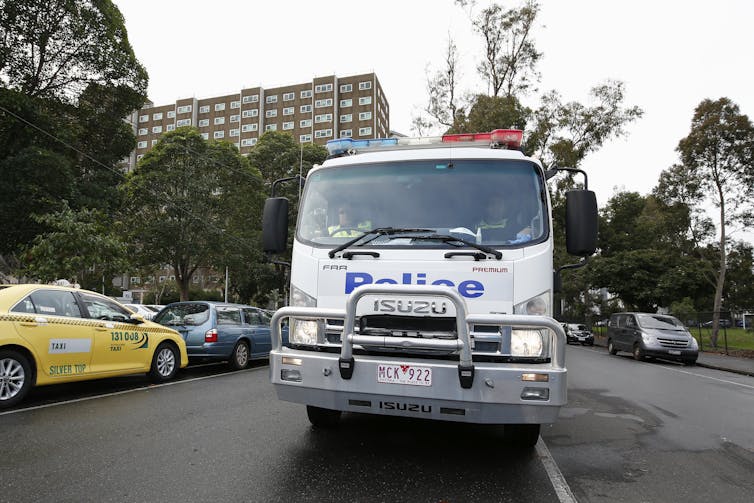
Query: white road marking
x,y
685,372
553,472
143,388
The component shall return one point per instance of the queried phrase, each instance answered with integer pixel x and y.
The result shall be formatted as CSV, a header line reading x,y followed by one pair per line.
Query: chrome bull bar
x,y
462,344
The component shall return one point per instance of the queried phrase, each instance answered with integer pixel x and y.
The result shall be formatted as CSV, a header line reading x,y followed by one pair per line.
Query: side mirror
x,y
275,225
581,222
136,319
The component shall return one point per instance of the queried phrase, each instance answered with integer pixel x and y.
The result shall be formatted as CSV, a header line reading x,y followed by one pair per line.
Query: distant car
x,y
648,335
724,323
141,309
578,334
51,334
216,331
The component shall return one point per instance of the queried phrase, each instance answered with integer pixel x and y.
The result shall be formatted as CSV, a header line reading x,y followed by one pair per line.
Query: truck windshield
x,y
491,202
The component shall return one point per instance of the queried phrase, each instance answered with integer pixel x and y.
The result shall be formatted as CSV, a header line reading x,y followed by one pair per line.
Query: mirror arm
x,y
282,180
557,279
554,171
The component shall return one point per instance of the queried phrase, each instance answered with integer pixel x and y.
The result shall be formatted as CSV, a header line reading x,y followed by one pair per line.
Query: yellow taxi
x,y
53,334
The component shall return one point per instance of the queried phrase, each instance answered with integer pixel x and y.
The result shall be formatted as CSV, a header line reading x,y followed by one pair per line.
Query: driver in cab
x,y
348,224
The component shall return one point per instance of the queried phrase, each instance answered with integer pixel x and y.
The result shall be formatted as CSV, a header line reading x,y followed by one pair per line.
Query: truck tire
x,y
522,435
322,418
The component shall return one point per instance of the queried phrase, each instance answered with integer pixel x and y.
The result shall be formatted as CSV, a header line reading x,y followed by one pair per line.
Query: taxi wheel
x,y
239,359
165,363
15,377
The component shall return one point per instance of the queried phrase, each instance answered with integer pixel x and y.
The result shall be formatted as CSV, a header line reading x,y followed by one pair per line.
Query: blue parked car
x,y
216,331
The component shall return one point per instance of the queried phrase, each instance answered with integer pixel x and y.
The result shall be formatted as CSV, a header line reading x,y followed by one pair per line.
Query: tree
x,y
717,167
58,48
194,204
82,246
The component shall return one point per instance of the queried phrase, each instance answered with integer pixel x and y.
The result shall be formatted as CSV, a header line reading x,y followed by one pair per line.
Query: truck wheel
x,y
611,347
322,418
522,435
15,378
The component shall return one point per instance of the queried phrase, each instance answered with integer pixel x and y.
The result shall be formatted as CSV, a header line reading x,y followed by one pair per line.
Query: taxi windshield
x,y
491,202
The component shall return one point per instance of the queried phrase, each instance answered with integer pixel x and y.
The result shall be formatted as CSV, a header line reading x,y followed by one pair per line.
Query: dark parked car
x,y
216,331
648,335
578,334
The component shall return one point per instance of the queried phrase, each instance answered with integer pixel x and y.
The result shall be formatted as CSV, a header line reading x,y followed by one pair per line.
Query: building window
x,y
323,88
306,93
364,85
346,88
219,134
219,107
249,127
346,103
323,103
289,96
305,109
171,114
288,111
141,144
365,100
204,109
323,133
305,138
155,142
135,280
323,118
184,109
365,116
271,113
248,142
203,122
287,126
365,131
346,118
162,279
143,118
273,98
183,122
271,127
235,104
247,113
139,157
205,136
252,98
157,116
235,132
345,133
170,127
219,120
143,131
305,123
157,129
235,118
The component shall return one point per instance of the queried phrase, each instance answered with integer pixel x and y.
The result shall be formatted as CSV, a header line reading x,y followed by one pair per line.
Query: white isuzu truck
x,y
422,283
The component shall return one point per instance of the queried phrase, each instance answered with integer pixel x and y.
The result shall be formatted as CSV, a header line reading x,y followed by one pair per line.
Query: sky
x,y
670,54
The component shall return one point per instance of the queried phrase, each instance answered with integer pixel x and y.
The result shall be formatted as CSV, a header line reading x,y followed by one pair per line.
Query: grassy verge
x,y
738,338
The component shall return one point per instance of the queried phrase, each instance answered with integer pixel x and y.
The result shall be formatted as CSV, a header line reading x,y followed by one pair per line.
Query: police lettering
x,y
469,288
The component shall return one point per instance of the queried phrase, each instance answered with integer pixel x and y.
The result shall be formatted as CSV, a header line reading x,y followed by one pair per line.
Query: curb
x,y
725,369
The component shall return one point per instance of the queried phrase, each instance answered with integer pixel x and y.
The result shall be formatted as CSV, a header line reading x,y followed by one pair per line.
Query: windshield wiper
x,y
451,239
374,234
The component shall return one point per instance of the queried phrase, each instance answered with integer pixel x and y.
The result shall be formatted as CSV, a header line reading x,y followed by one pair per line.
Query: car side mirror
x,y
136,319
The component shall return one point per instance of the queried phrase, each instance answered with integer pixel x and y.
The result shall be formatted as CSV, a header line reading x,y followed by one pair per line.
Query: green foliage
x,y
191,203
56,49
491,112
80,246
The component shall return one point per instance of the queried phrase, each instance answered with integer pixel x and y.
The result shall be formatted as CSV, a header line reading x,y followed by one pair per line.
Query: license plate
x,y
582,338
404,374
674,352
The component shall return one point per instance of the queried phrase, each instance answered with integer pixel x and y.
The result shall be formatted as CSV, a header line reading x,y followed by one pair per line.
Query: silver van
x,y
647,335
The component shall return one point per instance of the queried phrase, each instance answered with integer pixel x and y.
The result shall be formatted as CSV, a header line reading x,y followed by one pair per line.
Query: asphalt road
x,y
632,432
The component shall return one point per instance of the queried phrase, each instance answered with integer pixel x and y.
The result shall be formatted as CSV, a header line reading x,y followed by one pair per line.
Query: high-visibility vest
x,y
496,225
349,231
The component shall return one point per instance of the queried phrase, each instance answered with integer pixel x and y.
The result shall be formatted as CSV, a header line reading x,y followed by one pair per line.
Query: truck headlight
x,y
526,342
304,332
539,305
300,299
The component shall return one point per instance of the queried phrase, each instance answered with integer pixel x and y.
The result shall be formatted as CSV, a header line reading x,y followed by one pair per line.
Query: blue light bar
x,y
335,147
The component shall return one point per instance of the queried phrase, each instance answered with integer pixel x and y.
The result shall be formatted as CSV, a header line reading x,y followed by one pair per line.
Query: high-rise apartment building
x,y
316,111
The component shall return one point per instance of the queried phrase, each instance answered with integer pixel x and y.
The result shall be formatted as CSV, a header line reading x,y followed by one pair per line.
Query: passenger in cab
x,y
349,224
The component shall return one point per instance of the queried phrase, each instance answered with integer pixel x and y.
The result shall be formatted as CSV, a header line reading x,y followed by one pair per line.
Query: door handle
x,y
28,323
